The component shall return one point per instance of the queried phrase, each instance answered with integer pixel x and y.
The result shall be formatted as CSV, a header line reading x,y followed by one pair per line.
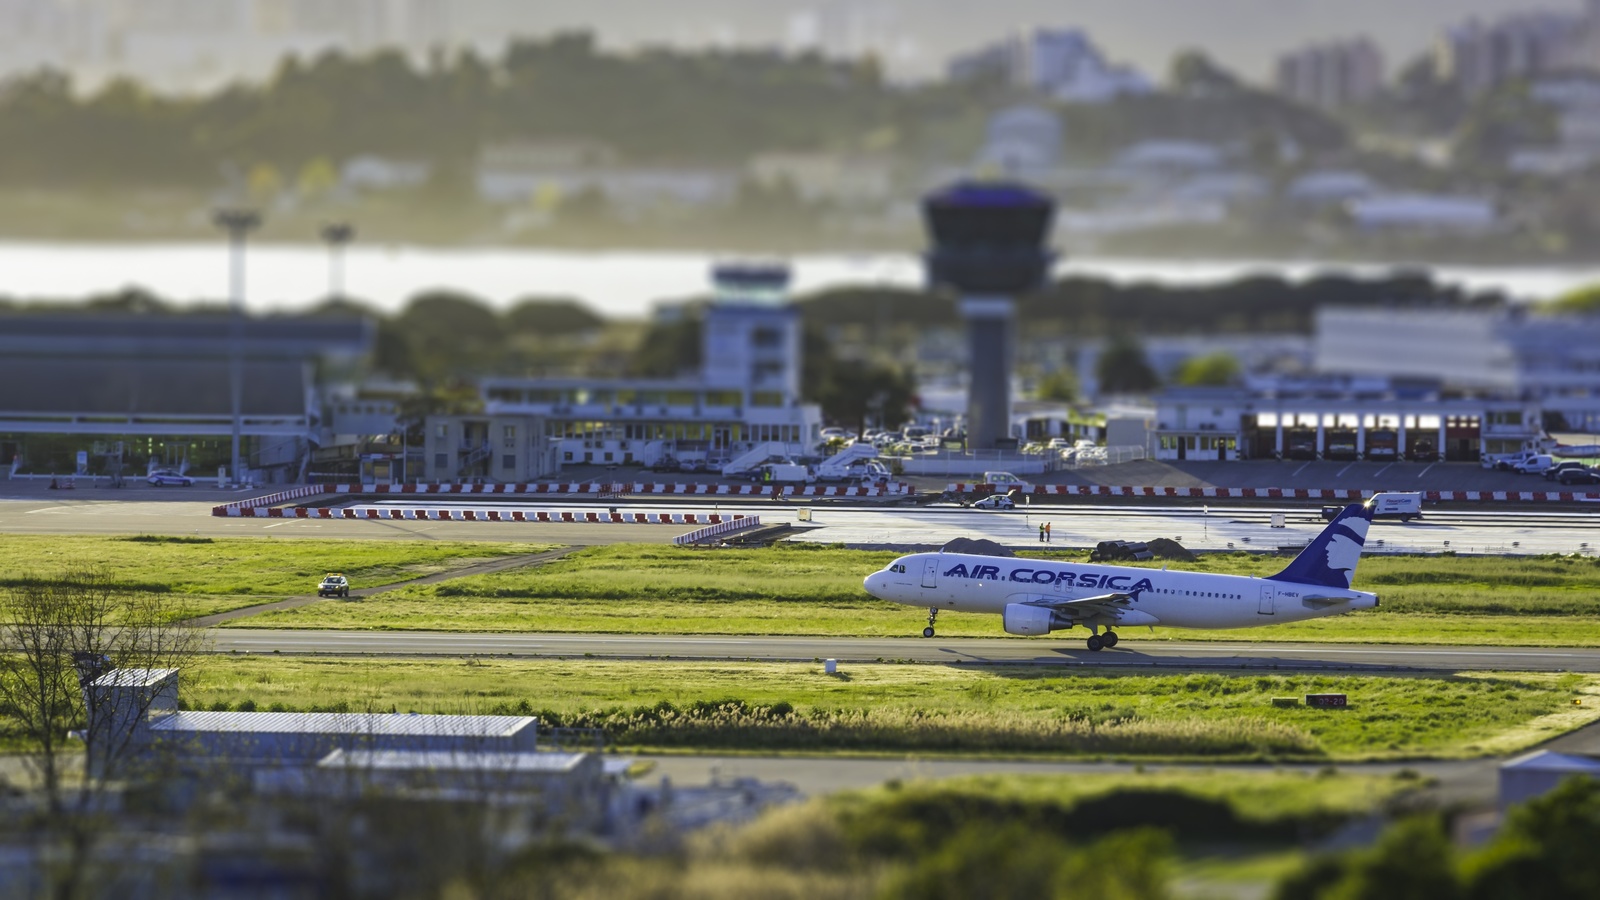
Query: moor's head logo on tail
x,y
1330,559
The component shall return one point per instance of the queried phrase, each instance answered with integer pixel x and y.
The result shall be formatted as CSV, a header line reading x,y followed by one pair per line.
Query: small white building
x,y
1425,213
1331,187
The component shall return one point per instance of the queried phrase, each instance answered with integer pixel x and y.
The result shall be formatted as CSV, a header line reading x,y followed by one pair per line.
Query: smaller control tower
x,y
988,247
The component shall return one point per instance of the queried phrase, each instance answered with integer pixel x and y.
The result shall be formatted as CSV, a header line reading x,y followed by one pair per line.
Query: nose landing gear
x,y
933,613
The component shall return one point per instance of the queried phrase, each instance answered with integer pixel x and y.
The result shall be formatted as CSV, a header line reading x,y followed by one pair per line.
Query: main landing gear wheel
x,y
927,632
933,613
1109,639
1095,643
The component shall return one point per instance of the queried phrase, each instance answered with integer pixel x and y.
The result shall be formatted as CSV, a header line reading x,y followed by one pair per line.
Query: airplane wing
x,y
1107,606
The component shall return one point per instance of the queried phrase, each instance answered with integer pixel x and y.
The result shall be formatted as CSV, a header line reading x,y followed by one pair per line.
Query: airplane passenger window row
x,y
1203,594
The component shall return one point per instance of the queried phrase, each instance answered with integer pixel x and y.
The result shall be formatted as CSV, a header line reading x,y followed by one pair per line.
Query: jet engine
x,y
1027,619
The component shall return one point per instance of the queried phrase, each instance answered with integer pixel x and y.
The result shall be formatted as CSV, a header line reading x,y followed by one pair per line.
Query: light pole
x,y
238,223
336,235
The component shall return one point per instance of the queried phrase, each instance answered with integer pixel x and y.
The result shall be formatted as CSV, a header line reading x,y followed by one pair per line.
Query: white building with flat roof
x,y
1338,419
1548,359
747,393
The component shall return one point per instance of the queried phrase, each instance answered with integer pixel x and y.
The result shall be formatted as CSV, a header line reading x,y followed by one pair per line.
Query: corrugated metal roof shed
x,y
387,724
134,677
408,760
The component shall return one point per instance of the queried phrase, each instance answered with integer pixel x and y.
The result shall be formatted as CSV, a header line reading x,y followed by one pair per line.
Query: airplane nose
x,y
874,584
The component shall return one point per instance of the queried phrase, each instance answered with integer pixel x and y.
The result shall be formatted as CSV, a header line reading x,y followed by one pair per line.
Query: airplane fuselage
x,y
963,583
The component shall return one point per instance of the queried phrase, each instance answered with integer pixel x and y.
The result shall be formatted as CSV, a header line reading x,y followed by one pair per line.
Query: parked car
x,y
333,585
665,464
1566,465
995,501
1579,476
168,478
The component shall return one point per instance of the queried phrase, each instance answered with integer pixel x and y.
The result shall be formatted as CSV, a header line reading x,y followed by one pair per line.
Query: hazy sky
x,y
1246,33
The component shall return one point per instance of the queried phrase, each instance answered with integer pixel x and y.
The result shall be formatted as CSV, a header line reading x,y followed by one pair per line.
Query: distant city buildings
x,y
189,44
1064,63
1332,76
1476,56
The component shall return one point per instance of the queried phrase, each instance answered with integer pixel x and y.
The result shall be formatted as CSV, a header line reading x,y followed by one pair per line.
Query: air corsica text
x,y
1046,576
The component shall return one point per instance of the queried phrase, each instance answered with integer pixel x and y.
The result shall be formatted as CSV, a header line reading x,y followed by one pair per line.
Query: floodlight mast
x,y
336,235
238,223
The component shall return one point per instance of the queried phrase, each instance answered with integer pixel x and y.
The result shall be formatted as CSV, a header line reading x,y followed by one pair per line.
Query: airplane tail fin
x,y
1330,559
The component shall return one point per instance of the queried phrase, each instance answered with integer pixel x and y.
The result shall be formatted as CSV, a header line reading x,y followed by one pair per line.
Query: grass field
x,y
217,575
942,709
1540,601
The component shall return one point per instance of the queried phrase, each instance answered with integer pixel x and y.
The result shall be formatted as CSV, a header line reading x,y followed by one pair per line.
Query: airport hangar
x,y
131,390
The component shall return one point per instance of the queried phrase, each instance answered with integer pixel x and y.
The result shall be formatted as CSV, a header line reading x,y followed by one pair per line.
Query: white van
x,y
1005,481
1535,464
1404,506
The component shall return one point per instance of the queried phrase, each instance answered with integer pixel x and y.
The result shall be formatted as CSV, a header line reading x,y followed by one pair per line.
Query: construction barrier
x,y
739,523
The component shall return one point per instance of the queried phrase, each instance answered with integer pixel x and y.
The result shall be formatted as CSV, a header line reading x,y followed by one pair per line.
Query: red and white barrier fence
x,y
619,487
596,488
487,515
1105,490
738,523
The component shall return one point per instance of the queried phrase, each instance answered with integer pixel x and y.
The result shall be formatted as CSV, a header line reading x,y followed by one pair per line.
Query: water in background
x,y
284,277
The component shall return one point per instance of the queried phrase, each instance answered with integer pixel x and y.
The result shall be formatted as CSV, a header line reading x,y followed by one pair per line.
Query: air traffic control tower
x,y
988,247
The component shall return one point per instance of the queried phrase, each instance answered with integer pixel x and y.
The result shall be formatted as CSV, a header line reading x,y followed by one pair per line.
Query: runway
x,y
1131,654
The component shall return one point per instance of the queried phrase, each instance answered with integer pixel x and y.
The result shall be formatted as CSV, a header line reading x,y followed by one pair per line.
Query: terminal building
x,y
1415,384
1337,419
746,395
141,391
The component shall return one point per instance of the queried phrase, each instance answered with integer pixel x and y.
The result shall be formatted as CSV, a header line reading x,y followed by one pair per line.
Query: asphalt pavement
x,y
1130,653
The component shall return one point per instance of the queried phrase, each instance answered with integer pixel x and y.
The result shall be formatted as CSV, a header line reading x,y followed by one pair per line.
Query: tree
x,y
554,316
1195,72
1211,370
1545,849
1584,300
265,183
1059,384
1124,369
317,179
1413,860
856,392
62,632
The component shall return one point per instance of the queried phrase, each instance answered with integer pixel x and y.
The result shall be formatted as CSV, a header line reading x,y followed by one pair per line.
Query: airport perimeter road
x,y
976,651
186,517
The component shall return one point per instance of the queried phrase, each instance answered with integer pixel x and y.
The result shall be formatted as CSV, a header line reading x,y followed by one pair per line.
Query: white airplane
x,y
1038,597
